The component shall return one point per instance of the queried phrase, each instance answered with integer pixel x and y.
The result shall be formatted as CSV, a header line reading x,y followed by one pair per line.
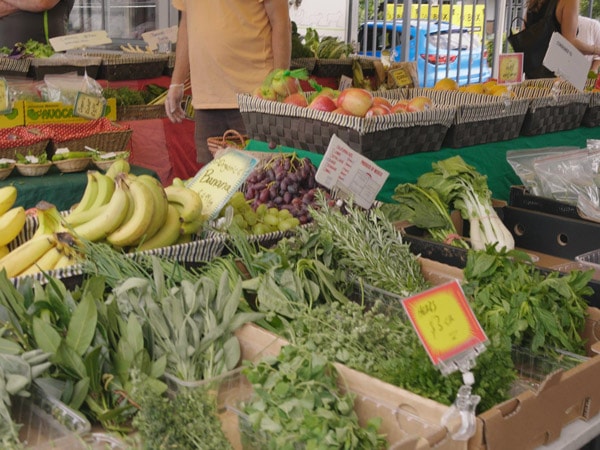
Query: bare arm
x,y
181,71
567,14
279,16
30,5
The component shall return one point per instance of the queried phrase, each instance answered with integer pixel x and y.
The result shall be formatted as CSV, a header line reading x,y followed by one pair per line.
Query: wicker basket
x,y
231,138
101,134
553,106
141,112
33,170
40,67
379,137
73,165
6,171
17,67
24,141
104,164
591,117
479,118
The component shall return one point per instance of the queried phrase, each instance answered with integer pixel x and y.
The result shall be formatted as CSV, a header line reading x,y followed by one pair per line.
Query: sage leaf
x,y
80,392
232,351
69,358
46,337
9,347
82,325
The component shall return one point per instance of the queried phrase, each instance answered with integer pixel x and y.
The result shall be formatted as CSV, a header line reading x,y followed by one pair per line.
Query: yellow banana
x,y
48,217
4,250
89,194
106,187
11,224
178,182
23,256
8,197
187,201
119,166
65,260
160,203
73,220
110,218
45,262
167,234
132,231
184,239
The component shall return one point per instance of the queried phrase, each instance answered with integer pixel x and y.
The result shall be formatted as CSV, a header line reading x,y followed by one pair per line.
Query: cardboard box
x,y
15,118
411,422
55,112
524,422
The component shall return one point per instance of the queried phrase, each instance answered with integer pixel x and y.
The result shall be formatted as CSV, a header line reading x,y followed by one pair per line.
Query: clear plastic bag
x,y
522,163
65,87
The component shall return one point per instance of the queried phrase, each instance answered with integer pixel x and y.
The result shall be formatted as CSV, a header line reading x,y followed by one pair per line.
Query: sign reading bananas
x,y
218,180
466,15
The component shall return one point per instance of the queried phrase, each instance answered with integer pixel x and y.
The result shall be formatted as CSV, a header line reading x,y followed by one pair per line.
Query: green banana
x,y
71,155
187,201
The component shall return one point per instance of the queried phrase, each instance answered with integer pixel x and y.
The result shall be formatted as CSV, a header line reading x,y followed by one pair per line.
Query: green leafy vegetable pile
x,y
29,49
297,401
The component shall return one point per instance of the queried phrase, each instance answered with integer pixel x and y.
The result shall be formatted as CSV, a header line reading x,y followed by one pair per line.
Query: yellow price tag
x,y
5,104
89,106
218,180
401,78
444,322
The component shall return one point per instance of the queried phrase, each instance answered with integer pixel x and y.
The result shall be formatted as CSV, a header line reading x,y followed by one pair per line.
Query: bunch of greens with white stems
x,y
461,187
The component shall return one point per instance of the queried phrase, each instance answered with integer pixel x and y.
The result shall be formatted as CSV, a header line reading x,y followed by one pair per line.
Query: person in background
x,y
566,16
225,47
22,20
589,32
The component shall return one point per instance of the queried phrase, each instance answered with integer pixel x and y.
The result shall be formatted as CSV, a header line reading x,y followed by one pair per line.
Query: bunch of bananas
x,y
134,212
47,249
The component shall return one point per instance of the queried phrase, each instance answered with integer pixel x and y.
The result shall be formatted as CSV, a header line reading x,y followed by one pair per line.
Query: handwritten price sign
x,y
444,322
89,106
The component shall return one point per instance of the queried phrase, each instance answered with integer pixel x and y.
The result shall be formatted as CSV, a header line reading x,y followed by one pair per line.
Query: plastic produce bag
x,y
65,87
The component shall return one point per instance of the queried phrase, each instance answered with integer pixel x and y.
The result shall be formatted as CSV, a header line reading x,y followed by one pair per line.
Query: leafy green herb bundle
x,y
519,305
188,420
297,404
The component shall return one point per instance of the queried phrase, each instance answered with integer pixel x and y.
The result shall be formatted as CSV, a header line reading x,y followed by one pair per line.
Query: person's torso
x,y
23,25
230,49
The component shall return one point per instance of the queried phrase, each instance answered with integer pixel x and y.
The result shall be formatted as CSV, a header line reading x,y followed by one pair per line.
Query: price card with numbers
x,y
5,103
89,106
444,322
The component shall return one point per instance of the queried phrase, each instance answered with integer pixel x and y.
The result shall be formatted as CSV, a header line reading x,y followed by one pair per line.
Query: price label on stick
x,y
351,173
444,322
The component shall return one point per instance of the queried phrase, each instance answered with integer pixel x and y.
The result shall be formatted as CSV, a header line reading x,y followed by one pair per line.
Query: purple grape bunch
x,y
285,182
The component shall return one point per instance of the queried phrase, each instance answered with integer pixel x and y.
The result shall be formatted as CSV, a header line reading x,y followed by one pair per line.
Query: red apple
x,y
342,111
377,110
419,103
265,92
382,101
322,102
399,107
356,101
284,84
297,99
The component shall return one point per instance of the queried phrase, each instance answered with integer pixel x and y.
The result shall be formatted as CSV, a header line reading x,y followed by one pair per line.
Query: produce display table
x,y
489,159
60,189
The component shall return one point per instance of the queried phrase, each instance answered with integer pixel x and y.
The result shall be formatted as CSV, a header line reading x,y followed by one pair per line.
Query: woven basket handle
x,y
233,134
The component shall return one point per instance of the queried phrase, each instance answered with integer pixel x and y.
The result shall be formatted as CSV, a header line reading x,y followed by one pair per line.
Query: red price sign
x,y
444,321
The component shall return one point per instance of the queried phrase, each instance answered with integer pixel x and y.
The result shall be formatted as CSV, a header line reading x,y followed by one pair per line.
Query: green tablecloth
x,y
60,189
488,159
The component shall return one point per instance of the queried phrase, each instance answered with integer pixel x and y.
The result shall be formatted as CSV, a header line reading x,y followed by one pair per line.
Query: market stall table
x,y
61,189
488,159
